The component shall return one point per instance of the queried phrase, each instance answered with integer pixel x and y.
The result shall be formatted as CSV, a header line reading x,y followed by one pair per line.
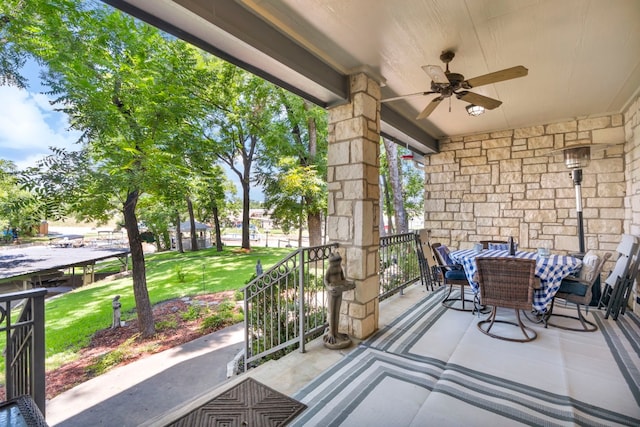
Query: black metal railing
x,y
399,263
24,338
287,304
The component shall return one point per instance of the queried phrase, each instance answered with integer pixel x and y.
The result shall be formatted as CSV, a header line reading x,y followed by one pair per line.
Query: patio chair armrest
x,y
449,267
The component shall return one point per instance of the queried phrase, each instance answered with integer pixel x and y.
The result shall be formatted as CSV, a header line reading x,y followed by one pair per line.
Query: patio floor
x,y
431,366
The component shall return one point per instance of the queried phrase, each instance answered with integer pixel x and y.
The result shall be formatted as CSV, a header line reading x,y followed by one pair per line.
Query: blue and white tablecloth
x,y
550,270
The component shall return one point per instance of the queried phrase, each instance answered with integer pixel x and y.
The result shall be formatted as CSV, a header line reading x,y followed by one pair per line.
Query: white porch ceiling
x,y
583,56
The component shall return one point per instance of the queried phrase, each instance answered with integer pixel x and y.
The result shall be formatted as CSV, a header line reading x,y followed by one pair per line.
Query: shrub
x,y
194,312
180,275
213,322
112,358
226,314
166,324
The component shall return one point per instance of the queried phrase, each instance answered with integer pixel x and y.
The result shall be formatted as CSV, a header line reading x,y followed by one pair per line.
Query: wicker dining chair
x,y
508,283
578,290
452,275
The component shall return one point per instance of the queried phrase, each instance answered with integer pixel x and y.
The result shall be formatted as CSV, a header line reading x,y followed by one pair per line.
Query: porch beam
x,y
231,32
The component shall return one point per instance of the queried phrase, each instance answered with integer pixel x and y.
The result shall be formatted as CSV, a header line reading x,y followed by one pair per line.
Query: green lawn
x,y
72,318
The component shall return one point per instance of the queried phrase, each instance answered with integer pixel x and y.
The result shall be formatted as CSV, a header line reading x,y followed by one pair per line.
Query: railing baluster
x,y
24,352
300,299
287,304
399,265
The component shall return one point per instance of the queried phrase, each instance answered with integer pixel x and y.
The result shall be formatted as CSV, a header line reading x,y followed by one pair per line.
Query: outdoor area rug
x,y
248,403
432,366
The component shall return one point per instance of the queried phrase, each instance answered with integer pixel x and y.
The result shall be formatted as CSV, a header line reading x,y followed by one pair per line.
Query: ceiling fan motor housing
x,y
447,89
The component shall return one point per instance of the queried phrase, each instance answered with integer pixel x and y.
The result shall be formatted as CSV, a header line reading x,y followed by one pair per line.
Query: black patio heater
x,y
577,158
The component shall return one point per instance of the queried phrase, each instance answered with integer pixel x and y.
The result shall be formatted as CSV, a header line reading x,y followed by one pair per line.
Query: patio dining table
x,y
550,270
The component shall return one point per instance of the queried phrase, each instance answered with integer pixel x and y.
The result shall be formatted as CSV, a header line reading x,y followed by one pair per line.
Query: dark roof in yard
x,y
33,259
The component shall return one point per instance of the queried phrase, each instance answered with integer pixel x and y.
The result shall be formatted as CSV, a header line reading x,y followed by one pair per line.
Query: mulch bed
x,y
106,340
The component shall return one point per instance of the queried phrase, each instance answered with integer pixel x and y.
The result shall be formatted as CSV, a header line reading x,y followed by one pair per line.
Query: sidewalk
x,y
130,395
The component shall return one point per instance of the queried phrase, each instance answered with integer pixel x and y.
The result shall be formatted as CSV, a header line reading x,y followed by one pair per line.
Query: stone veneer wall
x,y
353,213
632,174
501,184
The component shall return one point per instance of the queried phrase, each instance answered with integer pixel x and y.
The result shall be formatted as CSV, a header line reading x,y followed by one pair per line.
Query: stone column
x,y
353,212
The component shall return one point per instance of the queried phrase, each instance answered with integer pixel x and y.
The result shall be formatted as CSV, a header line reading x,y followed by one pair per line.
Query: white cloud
x,y
29,126
42,101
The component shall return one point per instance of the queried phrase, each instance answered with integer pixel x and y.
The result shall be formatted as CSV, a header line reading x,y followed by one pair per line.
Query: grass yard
x,y
72,318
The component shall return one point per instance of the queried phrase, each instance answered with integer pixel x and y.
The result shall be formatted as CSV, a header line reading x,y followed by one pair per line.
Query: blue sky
x,y
28,123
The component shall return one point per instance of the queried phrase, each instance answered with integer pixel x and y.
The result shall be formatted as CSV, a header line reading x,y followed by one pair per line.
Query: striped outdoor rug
x,y
248,403
433,367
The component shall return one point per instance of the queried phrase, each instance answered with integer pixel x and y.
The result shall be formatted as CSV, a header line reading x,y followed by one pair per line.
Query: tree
x,y
157,216
130,90
240,125
294,174
24,31
18,208
395,181
386,206
413,189
215,197
288,190
401,197
192,224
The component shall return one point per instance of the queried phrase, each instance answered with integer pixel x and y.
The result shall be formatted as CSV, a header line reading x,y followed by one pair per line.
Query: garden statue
x,y
258,268
336,284
115,323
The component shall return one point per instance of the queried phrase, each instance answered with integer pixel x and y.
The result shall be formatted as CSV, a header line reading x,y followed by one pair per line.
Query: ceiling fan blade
x,y
483,101
498,76
395,98
429,108
436,73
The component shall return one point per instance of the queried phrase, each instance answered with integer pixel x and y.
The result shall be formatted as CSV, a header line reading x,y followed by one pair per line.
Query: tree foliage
x,y
294,174
19,210
240,125
131,91
407,191
215,197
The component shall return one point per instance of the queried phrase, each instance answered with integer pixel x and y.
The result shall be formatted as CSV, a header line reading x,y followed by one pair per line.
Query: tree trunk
x,y
314,224
166,240
387,206
245,215
178,234
158,244
246,187
216,224
192,222
314,219
300,221
146,325
383,232
396,186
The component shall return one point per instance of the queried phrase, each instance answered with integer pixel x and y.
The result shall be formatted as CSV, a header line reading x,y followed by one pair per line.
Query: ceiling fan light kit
x,y
474,110
447,84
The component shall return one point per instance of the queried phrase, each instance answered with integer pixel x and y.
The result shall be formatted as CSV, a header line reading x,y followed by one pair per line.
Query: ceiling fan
x,y
448,84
